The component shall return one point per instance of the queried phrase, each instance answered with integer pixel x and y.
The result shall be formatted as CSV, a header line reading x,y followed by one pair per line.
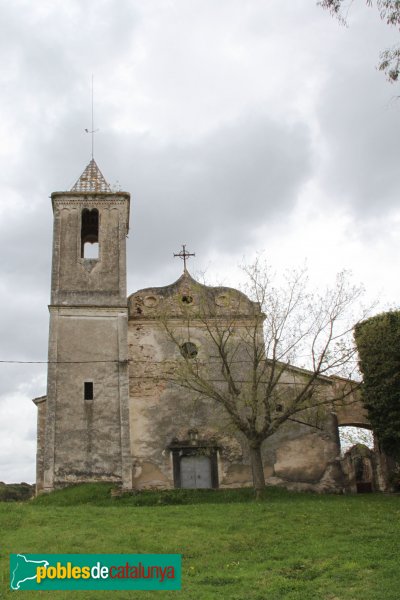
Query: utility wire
x,y
58,362
148,362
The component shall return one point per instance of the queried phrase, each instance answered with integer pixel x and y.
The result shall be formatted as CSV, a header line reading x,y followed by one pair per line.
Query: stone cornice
x,y
95,195
39,400
91,200
81,308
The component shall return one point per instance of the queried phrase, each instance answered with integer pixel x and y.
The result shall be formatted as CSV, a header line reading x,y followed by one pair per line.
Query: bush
x,y
16,492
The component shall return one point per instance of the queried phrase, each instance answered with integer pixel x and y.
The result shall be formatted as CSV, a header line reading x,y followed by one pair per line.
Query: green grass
x,y
285,546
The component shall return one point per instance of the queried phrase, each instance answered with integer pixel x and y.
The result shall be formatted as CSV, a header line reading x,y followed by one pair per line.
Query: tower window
x,y
91,250
88,390
90,233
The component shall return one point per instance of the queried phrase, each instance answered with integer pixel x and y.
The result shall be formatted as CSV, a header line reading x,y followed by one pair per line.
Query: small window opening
x,y
90,233
189,350
88,390
187,299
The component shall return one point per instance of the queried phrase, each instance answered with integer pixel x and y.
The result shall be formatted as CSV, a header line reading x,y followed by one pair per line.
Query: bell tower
x,y
85,420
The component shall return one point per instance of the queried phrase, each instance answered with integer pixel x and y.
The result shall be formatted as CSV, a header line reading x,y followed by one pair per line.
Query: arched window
x,y
351,435
90,233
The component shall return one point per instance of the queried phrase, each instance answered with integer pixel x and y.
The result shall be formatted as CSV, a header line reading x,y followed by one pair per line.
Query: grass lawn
x,y
284,546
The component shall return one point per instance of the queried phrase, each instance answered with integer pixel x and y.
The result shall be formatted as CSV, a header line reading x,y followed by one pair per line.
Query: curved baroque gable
x,y
186,296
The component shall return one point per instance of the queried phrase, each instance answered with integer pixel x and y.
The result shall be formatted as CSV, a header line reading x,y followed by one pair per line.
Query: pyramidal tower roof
x,y
91,180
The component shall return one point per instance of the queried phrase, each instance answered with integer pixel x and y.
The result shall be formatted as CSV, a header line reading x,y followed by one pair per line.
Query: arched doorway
x,y
354,415
363,466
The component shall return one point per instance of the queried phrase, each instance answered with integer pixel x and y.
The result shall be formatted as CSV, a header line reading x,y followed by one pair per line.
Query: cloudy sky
x,y
236,126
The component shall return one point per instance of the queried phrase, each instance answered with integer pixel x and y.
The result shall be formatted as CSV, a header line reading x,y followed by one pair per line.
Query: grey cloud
x,y
363,143
73,34
24,325
49,53
214,191
358,116
11,376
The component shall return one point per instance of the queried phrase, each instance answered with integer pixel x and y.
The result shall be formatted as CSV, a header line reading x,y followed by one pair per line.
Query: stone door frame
x,y
202,448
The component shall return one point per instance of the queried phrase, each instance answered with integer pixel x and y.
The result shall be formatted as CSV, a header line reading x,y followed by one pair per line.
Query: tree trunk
x,y
257,467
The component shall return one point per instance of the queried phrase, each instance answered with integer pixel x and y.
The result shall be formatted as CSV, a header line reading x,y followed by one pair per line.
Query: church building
x,y
115,408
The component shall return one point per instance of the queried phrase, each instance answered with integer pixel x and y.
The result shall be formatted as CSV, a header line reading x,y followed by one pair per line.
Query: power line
x,y
148,362
59,362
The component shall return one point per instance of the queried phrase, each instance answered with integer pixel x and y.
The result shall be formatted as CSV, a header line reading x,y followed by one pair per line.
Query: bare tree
x,y
270,359
389,11
351,436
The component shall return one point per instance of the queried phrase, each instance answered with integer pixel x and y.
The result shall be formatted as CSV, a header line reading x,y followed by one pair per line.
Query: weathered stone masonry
x,y
112,411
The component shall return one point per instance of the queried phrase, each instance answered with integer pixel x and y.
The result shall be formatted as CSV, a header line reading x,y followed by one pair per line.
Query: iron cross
x,y
184,255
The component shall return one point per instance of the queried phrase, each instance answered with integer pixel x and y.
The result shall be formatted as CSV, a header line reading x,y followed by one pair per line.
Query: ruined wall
x,y
302,458
163,414
352,411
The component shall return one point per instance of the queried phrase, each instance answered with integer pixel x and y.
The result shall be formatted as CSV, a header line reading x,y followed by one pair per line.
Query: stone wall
x,y
89,346
80,281
86,432
163,412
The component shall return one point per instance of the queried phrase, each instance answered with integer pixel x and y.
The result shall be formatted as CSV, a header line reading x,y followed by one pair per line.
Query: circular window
x,y
189,350
150,301
222,300
186,299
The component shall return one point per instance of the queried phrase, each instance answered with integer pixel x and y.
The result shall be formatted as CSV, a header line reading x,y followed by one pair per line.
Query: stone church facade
x,y
114,410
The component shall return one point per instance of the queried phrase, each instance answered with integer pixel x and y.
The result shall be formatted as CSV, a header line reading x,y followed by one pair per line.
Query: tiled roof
x,y
91,180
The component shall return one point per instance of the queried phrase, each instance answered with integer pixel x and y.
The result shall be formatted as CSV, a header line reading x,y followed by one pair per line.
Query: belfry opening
x,y
90,233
